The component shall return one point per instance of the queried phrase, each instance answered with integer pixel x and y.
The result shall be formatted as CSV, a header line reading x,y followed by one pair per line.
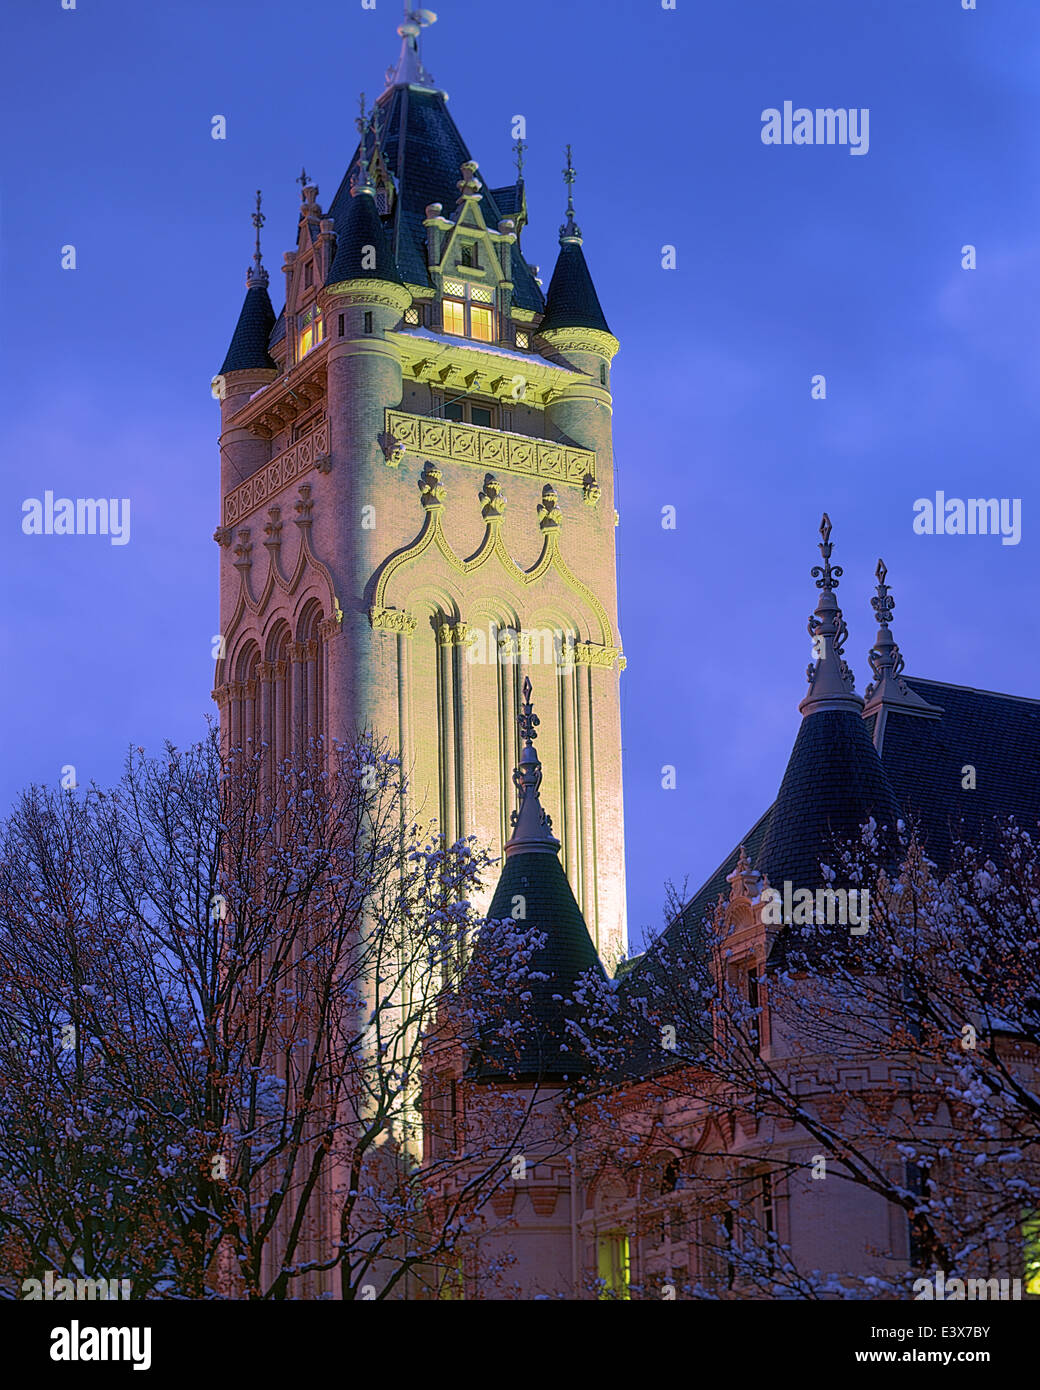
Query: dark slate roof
x,y
509,200
423,150
833,783
922,762
249,342
360,226
278,332
998,735
544,1049
675,955
571,301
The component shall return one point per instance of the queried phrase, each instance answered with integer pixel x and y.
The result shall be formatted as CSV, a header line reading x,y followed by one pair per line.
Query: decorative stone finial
x,y
888,690
430,490
532,827
831,683
256,274
548,509
570,231
492,498
469,185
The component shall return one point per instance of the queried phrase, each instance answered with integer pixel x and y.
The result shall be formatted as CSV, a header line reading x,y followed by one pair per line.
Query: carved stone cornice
x,y
583,340
286,398
268,481
452,441
392,620
590,654
452,634
365,292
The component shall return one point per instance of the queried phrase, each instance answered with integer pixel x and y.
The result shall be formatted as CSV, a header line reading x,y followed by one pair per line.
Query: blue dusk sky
x,y
791,261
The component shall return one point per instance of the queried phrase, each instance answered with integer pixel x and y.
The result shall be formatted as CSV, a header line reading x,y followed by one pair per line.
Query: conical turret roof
x,y
534,899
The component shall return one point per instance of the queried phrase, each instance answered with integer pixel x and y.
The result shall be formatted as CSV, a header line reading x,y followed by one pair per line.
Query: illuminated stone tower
x,y
417,492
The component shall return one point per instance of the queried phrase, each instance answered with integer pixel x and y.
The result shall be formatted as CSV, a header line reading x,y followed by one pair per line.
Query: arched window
x,y
308,678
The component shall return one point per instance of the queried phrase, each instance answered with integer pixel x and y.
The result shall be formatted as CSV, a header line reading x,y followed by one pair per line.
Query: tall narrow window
x,y
1031,1250
755,1016
368,320
768,1219
917,1180
311,330
613,1266
455,317
342,317
308,275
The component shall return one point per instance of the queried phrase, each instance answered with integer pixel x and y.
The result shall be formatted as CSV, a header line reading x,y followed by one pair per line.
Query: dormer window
x,y
468,256
308,275
311,331
468,311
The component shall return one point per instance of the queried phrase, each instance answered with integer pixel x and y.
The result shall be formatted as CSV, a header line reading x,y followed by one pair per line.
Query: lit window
x,y
312,330
482,324
469,311
523,340
1031,1250
455,317
612,1266
413,316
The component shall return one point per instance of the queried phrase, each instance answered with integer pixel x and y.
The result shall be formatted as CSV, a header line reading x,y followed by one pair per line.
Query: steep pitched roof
x,y
423,150
544,1049
997,735
360,227
571,301
545,947
250,340
834,782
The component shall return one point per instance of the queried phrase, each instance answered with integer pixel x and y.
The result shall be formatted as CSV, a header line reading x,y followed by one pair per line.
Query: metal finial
x,y
303,180
826,575
570,231
256,274
362,179
884,603
258,221
527,719
518,150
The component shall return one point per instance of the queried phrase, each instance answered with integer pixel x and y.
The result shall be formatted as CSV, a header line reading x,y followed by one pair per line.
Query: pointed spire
x,y
570,231
532,827
256,274
831,683
888,690
362,179
409,71
249,343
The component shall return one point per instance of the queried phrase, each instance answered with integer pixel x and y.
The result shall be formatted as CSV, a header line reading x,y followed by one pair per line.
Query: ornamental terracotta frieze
x,y
452,441
312,451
